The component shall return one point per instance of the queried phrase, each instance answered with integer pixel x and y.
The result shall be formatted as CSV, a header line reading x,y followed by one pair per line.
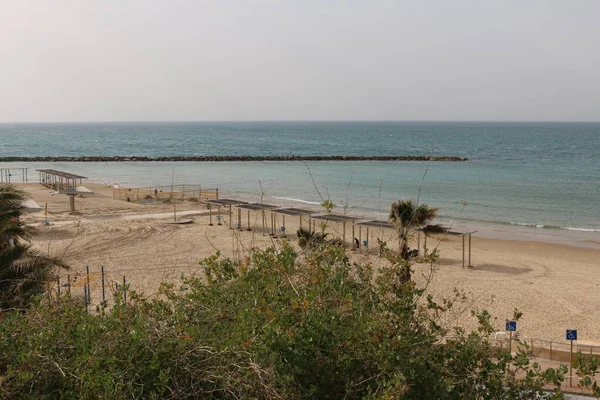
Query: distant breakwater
x,y
230,158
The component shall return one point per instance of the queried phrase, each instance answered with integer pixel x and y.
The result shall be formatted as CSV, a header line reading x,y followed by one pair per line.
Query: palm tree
x,y
24,271
408,217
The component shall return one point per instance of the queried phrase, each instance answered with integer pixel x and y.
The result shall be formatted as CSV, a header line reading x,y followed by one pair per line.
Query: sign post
x,y
511,326
571,336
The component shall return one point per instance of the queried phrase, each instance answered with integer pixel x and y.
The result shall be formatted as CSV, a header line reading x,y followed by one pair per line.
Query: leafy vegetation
x,y
408,217
24,272
275,325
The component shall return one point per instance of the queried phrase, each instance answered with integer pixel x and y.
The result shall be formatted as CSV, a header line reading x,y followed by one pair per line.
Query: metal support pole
x,y
463,251
359,236
470,251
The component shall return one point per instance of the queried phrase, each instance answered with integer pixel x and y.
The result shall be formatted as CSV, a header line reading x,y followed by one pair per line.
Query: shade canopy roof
x,y
334,217
376,224
292,211
61,174
224,202
256,206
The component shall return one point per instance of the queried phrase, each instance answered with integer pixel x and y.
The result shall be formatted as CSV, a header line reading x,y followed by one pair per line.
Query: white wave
x,y
581,229
297,200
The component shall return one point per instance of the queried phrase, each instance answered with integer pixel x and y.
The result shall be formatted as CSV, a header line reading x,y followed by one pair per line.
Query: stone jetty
x,y
230,158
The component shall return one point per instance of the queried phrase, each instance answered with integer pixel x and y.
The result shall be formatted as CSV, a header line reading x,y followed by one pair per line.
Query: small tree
x,y
408,217
24,272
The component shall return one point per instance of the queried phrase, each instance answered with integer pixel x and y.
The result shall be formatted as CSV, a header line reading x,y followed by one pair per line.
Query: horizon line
x,y
296,121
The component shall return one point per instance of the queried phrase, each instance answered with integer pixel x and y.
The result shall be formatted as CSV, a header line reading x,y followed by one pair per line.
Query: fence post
x,y
69,284
85,297
124,290
103,292
58,284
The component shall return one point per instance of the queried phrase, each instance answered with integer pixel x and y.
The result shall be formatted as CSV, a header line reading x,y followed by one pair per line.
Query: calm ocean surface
x,y
540,175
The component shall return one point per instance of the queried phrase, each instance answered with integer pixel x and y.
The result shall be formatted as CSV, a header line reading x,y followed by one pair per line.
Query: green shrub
x,y
273,325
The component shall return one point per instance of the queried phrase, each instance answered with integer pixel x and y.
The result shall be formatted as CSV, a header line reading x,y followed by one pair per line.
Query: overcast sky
x,y
152,60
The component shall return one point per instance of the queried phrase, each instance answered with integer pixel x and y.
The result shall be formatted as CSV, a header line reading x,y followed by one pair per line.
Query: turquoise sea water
x,y
540,175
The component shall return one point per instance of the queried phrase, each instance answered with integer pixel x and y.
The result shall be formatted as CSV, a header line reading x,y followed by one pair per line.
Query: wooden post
x,y
419,243
248,229
219,215
210,215
124,289
353,236
103,291
46,213
72,203
571,365
230,218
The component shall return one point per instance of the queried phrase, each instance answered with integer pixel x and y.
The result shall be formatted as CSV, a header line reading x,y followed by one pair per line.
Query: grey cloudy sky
x,y
128,60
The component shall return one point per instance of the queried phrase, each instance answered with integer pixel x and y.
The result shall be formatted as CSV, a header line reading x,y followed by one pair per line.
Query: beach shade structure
x,y
6,174
255,207
289,211
337,218
463,235
30,206
71,193
375,224
59,180
222,203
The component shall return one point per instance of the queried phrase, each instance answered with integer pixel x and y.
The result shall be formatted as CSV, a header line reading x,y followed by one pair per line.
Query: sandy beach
x,y
556,286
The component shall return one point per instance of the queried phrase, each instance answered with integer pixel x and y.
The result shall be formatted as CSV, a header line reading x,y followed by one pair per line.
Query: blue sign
x,y
571,334
511,326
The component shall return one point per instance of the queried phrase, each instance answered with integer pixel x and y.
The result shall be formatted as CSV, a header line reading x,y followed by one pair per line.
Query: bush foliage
x,y
275,325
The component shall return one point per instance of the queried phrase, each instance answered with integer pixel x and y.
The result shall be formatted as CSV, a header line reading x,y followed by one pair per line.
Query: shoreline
x,y
237,158
575,238
556,286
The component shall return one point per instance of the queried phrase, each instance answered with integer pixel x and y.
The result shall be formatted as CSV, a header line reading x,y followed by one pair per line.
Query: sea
x,y
534,180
